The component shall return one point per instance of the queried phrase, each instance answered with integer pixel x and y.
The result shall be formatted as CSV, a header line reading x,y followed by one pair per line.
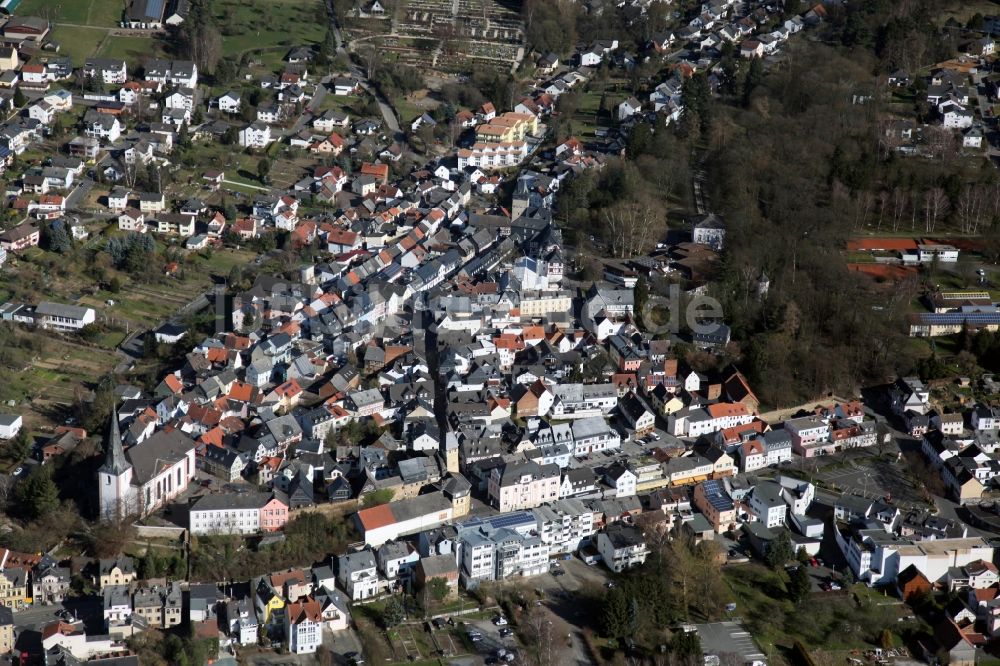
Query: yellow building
x,y
6,630
507,128
268,600
116,571
8,58
13,587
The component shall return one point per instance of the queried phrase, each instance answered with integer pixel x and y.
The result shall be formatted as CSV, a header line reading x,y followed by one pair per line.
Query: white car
x,y
500,621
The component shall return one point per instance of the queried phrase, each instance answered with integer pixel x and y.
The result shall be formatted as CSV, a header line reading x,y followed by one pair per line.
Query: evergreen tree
x,y
779,551
20,446
393,613
615,614
263,169
640,295
799,585
754,77
37,495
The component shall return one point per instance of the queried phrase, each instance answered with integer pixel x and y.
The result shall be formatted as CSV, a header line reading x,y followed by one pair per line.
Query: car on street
x,y
500,621
559,572
505,632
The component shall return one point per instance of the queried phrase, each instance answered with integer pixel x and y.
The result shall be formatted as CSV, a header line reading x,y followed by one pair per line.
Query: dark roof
x,y
162,448
114,461
220,501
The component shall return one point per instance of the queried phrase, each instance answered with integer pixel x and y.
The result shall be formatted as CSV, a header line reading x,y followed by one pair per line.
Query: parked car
x,y
505,632
500,621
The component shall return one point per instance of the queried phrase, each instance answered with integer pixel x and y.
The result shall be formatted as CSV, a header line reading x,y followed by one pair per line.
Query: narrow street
x,y
388,113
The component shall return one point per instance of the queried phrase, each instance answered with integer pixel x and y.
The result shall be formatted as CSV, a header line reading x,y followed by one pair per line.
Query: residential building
x,y
621,547
237,513
523,485
357,574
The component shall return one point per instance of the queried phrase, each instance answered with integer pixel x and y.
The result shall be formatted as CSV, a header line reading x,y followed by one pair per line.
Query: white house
x,y
357,574
256,135
305,626
10,425
767,504
229,102
629,108
621,547
63,317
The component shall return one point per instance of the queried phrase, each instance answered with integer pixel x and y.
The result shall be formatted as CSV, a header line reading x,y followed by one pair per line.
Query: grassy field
x,y
103,13
248,25
853,619
132,49
406,111
78,43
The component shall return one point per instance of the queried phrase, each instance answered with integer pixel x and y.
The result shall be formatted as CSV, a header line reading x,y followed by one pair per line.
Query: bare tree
x,y
969,207
630,227
935,207
6,485
371,56
863,202
915,204
899,203
883,199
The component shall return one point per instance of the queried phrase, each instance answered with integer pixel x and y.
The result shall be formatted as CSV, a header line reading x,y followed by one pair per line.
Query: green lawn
x,y
131,49
406,111
248,25
78,43
106,13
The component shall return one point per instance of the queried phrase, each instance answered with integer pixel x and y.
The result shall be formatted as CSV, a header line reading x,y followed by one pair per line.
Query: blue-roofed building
x,y
934,324
711,498
145,15
523,522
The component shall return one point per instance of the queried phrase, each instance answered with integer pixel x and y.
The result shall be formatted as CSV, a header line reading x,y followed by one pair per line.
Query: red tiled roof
x,y
376,517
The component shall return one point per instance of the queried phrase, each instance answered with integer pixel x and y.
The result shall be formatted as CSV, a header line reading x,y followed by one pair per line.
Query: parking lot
x,y
488,638
862,472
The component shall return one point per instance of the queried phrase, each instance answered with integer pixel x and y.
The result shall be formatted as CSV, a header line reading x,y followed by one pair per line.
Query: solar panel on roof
x,y
154,9
961,317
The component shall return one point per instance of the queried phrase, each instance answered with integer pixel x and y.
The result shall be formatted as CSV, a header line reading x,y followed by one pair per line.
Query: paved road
x,y
35,617
252,187
79,193
388,114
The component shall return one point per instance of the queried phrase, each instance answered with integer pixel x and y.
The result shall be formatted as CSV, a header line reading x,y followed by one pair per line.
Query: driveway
x,y
79,193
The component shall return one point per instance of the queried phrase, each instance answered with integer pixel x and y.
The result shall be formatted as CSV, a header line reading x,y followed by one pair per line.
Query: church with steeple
x,y
115,476
138,481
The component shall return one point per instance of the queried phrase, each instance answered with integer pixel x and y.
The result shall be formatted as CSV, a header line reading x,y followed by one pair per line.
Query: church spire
x,y
114,461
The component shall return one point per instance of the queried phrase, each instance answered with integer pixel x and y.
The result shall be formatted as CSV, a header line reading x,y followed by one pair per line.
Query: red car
x,y
813,562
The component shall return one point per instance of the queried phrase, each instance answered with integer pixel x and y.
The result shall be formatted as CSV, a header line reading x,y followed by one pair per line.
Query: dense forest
x,y
797,162
797,167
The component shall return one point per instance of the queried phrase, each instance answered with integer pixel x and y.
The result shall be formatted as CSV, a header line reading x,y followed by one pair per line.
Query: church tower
x,y
115,475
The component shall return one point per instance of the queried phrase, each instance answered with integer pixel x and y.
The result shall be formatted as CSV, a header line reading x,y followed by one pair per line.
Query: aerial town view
x,y
462,332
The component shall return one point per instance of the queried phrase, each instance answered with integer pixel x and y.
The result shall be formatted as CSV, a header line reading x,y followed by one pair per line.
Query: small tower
x,y
115,475
763,284
449,450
